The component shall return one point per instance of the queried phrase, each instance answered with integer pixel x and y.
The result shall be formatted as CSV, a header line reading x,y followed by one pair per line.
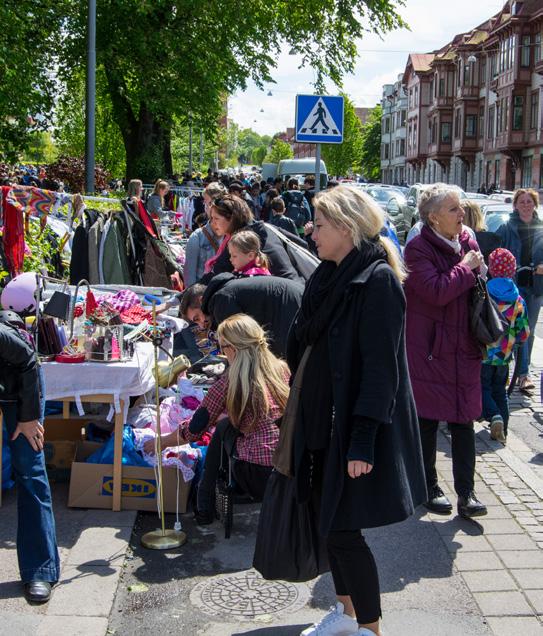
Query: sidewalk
x,y
92,546
439,575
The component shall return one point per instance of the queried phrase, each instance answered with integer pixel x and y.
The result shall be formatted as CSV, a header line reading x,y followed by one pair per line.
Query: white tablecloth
x,y
118,379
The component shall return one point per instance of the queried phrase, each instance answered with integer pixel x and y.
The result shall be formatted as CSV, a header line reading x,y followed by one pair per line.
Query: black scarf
x,y
321,300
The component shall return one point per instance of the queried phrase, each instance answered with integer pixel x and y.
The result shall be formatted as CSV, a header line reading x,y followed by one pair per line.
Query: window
x,y
493,66
534,108
471,125
467,75
458,73
525,51
431,90
537,48
416,95
446,132
513,51
499,115
483,71
402,147
457,123
481,121
441,87
387,125
497,173
526,181
404,117
518,110
490,127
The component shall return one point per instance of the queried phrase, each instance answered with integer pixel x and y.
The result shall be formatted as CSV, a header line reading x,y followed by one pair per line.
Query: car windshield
x,y
496,217
383,195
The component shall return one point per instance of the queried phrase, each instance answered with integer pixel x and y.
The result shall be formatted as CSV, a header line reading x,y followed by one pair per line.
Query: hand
x,y
308,228
149,446
539,270
357,468
33,431
473,259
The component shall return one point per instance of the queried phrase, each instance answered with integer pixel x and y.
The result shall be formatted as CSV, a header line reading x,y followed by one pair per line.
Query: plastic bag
x,y
288,546
131,457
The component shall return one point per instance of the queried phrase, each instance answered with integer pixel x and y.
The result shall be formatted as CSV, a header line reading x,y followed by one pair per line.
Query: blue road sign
x,y
319,119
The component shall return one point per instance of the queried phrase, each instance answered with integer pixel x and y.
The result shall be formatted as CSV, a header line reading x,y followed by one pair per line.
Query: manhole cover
x,y
246,596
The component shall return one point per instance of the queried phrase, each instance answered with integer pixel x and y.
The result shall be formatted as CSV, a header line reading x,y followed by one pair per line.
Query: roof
x,y
421,61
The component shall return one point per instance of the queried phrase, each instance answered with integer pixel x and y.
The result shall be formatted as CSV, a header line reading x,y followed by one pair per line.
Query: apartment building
x,y
475,107
393,132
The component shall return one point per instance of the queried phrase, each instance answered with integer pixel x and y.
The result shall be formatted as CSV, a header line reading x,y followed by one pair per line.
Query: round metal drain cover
x,y
246,596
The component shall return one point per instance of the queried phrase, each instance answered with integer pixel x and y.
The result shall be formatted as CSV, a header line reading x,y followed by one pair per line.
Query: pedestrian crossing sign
x,y
319,119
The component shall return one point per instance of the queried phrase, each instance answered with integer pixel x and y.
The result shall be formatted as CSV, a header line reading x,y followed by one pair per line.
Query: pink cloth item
x,y
122,300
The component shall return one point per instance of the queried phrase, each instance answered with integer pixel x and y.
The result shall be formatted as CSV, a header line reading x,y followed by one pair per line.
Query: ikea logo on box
x,y
143,488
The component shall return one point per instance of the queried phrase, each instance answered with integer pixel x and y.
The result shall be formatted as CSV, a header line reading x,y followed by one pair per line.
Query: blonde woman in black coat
x,y
356,440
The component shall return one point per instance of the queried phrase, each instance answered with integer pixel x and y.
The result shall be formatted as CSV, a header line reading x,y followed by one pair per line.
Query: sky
x,y
433,23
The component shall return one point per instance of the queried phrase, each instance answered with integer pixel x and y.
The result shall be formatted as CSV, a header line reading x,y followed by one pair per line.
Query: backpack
x,y
303,261
295,209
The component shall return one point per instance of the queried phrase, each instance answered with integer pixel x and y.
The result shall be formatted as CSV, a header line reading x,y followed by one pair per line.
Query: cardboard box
x,y
59,448
91,485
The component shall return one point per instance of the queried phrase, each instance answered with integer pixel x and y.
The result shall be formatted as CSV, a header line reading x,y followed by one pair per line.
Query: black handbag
x,y
486,322
288,546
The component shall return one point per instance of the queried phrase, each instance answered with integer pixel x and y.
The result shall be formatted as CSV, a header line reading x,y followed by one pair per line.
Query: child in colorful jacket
x,y
502,267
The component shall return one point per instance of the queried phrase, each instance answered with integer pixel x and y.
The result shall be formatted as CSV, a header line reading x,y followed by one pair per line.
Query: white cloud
x,y
433,23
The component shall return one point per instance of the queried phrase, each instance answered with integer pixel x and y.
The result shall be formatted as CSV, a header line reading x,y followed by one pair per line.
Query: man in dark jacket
x,y
22,409
272,301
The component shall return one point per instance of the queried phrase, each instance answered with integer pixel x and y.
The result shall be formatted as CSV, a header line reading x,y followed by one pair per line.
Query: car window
x,y
494,219
380,194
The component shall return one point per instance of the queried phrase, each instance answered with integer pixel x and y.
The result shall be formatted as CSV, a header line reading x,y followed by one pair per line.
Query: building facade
x,y
393,132
475,107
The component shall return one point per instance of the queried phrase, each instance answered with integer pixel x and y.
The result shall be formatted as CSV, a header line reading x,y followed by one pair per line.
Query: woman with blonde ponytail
x,y
356,440
253,393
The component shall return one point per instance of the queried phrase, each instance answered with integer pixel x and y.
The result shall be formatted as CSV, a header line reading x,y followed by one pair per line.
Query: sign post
x,y
319,119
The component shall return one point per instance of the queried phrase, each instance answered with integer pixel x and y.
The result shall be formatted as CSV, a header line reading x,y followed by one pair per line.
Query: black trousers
x,y
354,573
250,478
352,565
463,454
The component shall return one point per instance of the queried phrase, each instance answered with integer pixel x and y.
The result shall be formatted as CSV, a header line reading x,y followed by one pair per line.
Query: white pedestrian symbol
x,y
319,121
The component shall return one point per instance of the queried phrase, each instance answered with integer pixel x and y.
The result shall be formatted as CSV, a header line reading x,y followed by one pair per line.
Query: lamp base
x,y
155,540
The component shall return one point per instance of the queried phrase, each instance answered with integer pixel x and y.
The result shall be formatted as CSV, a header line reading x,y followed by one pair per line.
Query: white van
x,y
299,168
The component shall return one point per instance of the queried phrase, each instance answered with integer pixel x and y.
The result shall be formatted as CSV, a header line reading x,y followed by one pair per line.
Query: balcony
x,y
440,152
510,139
441,104
538,68
467,92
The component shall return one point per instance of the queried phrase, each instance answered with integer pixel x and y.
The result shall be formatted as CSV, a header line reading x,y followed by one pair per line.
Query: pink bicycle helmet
x,y
20,293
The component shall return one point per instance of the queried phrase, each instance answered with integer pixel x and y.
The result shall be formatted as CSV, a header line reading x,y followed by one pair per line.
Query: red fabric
x,y
13,238
502,264
90,304
444,358
208,267
146,219
136,315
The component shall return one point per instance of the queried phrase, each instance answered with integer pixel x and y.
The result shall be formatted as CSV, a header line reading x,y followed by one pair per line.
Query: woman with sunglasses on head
x,y
230,214
253,393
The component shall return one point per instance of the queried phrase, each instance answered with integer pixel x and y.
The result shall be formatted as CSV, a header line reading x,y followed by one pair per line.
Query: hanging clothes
x,y
13,237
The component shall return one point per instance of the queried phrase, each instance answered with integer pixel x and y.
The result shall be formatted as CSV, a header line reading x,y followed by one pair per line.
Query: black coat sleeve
x,y
381,324
223,305
22,359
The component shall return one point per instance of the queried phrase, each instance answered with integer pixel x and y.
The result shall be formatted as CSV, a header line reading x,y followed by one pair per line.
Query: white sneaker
x,y
335,623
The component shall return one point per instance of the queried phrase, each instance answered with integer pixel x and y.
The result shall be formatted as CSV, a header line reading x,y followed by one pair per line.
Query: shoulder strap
x,y
211,240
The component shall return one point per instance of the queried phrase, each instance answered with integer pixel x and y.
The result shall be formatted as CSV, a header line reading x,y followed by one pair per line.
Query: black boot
x,y
438,502
470,506
38,591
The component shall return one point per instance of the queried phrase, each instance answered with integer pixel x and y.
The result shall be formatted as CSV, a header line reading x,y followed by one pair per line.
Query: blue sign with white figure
x,y
319,119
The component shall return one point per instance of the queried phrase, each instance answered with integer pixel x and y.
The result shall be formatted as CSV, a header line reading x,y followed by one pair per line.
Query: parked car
x,y
395,205
476,195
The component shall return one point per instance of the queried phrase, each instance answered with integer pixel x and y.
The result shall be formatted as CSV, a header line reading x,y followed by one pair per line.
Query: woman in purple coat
x,y
444,358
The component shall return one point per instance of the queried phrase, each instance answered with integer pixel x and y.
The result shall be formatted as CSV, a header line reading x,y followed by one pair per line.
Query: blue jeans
x,y
493,385
533,305
37,550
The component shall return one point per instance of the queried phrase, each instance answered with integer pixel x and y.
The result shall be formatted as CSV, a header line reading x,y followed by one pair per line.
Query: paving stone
x,y
536,599
472,561
510,542
529,579
522,559
72,625
489,581
498,512
110,519
516,626
466,543
500,526
503,604
100,546
85,591
528,521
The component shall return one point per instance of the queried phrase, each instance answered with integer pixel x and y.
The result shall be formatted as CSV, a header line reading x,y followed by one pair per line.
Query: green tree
x,y
341,158
40,148
258,155
371,145
279,150
166,59
29,37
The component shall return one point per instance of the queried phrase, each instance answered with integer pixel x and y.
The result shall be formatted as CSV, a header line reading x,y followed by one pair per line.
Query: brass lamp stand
x,y
160,539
